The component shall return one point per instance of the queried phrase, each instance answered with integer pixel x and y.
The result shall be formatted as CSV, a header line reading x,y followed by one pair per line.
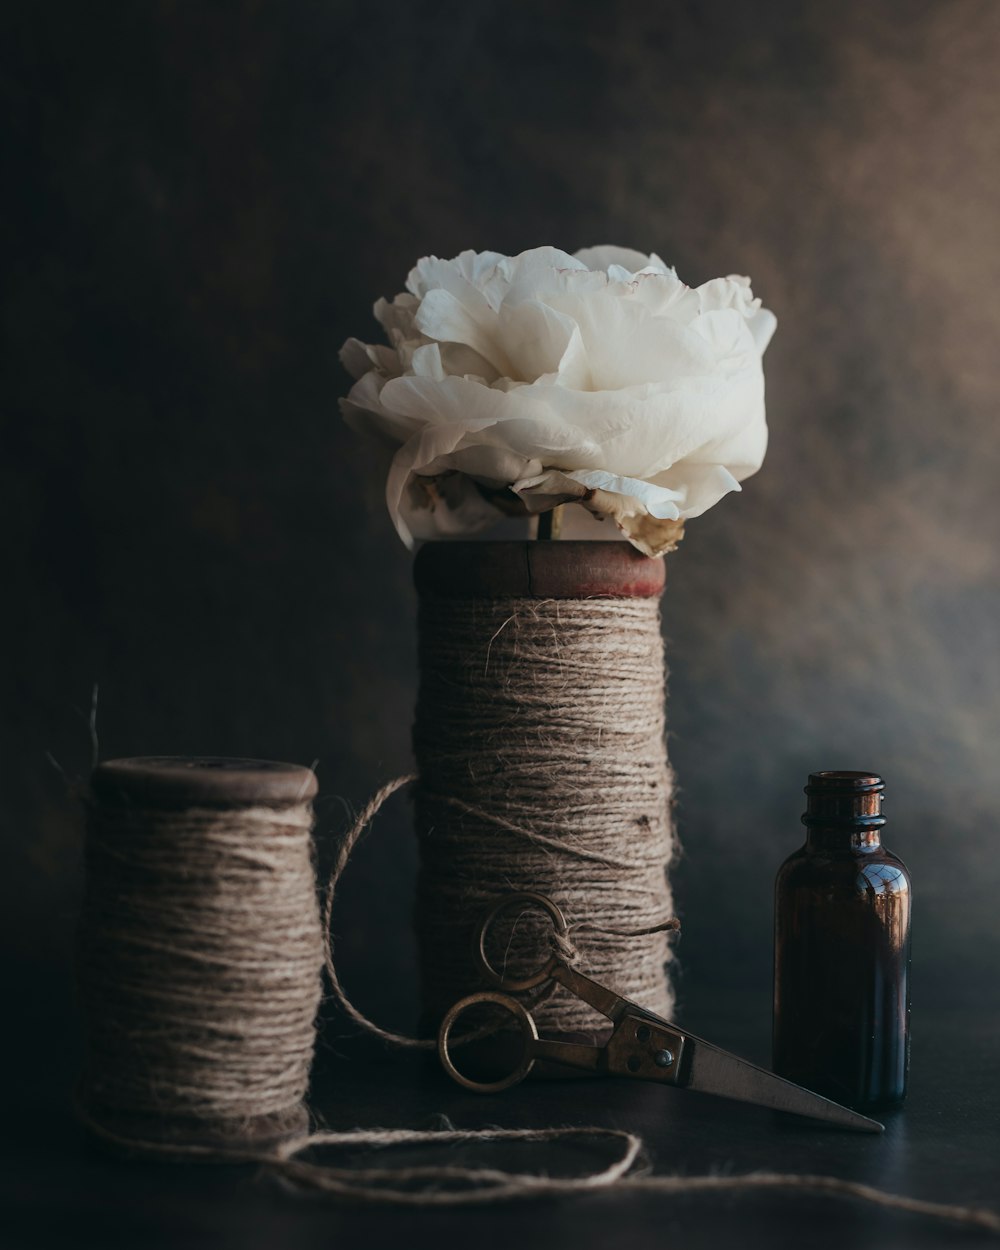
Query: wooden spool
x,y
569,569
175,783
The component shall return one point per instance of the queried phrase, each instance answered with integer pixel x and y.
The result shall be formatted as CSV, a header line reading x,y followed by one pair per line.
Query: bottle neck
x,y
842,837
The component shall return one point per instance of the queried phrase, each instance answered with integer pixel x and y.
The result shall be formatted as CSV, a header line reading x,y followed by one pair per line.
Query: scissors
x,y
642,1045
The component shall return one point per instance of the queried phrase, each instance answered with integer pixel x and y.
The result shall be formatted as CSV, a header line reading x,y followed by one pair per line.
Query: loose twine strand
x,y
344,852
393,1186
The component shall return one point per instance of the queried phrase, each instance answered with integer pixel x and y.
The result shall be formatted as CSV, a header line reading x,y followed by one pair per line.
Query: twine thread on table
x,y
539,738
626,1174
200,964
424,1186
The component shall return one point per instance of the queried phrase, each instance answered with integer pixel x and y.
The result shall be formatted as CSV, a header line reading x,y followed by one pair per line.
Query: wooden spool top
x,y
537,570
176,781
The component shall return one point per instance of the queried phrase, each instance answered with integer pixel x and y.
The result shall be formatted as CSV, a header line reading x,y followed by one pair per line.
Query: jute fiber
x,y
200,957
539,738
460,1184
200,948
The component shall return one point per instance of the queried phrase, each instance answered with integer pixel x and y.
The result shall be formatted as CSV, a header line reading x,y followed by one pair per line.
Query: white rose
x,y
533,380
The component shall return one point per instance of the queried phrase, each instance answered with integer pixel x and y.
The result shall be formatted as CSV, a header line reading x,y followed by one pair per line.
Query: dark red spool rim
x,y
537,570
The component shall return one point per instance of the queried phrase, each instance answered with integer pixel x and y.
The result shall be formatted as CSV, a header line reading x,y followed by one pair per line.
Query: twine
x,y
199,945
428,1186
624,1175
200,956
539,738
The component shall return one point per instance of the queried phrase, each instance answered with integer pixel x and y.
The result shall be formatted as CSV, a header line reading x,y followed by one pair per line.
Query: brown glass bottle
x,y
842,950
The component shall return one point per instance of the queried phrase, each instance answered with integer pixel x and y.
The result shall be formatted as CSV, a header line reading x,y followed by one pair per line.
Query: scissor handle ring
x,y
526,1025
511,900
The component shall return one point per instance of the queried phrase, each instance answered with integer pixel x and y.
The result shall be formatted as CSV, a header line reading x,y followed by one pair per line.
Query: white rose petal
x,y
598,378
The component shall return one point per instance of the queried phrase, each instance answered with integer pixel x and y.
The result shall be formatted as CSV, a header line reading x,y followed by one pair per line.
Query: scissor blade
x,y
568,1054
715,1071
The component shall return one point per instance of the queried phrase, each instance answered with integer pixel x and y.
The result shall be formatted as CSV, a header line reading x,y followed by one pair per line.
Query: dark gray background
x,y
202,201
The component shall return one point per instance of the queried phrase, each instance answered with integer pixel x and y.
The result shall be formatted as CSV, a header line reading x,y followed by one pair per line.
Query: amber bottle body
x,y
842,954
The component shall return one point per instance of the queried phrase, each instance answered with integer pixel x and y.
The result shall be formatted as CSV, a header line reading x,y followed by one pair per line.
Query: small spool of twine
x,y
200,954
539,739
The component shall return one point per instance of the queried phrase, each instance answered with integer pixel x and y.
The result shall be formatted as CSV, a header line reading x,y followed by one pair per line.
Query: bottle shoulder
x,y
866,868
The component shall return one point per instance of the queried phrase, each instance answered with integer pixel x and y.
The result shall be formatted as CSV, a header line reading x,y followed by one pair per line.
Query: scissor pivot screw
x,y
663,1058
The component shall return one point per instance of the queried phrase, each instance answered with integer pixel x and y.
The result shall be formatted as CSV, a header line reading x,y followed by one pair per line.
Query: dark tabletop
x,y
62,1190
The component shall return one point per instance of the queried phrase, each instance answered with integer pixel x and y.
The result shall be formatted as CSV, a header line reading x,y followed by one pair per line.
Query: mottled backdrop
x,y
202,201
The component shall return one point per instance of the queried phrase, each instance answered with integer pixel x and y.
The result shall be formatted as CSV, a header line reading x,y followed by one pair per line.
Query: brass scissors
x,y
642,1045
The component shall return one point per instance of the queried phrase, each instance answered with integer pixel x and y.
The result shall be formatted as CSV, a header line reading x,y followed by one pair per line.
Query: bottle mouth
x,y
844,782
844,797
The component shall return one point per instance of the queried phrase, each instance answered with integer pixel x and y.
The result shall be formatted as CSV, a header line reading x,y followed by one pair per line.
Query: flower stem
x,y
550,523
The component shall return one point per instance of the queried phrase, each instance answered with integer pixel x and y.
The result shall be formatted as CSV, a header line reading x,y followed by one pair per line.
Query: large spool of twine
x,y
539,739
200,954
